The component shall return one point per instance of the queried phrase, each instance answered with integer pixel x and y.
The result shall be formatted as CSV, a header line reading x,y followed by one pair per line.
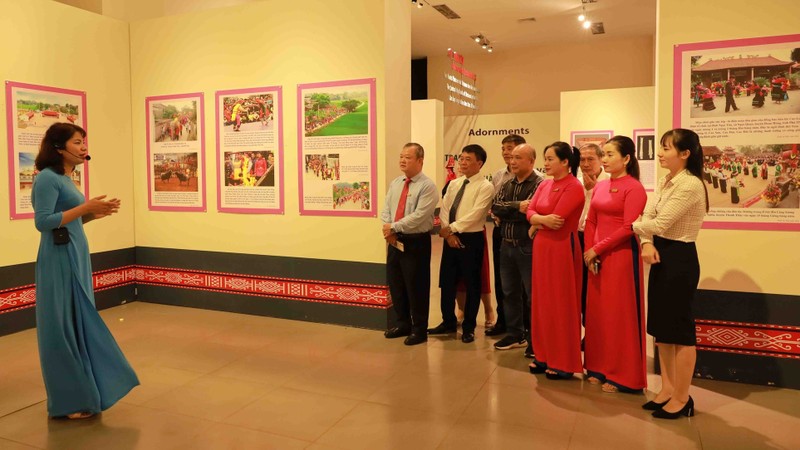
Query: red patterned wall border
x,y
372,296
776,341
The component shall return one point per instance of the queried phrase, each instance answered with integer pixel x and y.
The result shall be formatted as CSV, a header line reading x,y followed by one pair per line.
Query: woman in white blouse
x,y
668,231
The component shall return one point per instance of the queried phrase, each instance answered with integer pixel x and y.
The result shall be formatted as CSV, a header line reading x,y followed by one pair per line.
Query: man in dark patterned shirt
x,y
510,205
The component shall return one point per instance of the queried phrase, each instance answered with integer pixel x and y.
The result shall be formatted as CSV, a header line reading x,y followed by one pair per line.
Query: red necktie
x,y
401,205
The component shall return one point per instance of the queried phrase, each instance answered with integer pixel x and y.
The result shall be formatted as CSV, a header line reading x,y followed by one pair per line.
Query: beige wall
x,y
749,261
203,52
541,127
52,44
532,80
427,129
621,110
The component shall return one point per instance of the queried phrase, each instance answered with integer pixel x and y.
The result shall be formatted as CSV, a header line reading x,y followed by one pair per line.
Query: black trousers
x,y
462,264
499,294
409,276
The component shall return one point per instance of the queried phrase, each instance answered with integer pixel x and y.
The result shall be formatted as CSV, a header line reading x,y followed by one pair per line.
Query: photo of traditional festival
x,y
174,121
250,169
323,167
247,113
753,176
28,172
755,84
175,172
332,112
351,196
42,109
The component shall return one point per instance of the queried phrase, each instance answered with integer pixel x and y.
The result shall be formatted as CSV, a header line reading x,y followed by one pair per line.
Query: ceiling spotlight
x,y
419,4
478,38
490,49
581,18
587,24
484,46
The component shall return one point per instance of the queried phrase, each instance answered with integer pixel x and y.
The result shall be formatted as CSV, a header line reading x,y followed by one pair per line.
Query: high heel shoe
x,y
654,406
687,410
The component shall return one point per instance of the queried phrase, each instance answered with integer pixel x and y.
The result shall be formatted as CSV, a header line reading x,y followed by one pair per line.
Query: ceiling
x,y
499,20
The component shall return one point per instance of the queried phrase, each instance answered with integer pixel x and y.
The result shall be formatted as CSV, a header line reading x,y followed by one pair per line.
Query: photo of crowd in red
x,y
175,121
175,172
250,169
351,196
753,84
753,176
323,167
247,113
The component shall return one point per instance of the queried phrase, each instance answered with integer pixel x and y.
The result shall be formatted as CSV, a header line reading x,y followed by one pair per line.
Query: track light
x,y
419,3
490,49
478,38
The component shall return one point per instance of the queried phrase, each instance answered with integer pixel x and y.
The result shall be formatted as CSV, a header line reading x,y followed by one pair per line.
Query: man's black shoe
x,y
441,329
415,339
396,333
467,337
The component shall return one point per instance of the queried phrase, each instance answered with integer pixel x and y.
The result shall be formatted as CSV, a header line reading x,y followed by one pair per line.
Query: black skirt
x,y
671,290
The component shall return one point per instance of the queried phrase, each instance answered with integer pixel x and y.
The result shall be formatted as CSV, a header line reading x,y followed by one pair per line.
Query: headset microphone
x,y
85,158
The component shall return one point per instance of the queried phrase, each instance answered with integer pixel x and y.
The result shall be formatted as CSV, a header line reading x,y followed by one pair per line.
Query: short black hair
x,y
476,150
514,139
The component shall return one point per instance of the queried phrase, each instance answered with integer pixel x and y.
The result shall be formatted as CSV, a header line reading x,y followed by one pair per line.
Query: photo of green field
x,y
336,113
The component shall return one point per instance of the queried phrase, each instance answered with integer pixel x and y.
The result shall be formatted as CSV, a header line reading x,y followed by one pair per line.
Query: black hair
x,y
566,152
476,150
626,147
687,140
55,139
514,139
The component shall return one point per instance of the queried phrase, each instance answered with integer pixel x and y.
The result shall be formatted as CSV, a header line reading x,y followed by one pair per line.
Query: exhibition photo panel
x,y
741,97
250,150
337,148
30,110
176,153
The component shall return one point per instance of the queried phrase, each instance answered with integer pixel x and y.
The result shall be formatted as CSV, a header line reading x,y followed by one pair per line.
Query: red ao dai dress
x,y
615,324
557,277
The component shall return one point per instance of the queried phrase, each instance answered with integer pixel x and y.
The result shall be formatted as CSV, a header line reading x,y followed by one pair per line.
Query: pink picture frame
x,y
373,144
201,207
11,86
278,90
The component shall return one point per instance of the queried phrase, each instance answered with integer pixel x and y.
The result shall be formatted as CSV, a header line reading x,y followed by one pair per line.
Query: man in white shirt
x,y
498,179
591,172
463,216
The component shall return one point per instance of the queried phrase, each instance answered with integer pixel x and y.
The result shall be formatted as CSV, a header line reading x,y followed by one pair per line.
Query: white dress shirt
x,y
475,204
588,194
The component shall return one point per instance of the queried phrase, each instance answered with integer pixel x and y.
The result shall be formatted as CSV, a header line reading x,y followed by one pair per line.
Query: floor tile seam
x,y
337,422
273,433
24,444
367,395
259,397
22,409
408,408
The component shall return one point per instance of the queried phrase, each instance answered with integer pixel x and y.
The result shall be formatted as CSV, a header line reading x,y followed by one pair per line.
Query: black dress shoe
x,y
653,406
415,339
396,333
441,329
495,331
687,410
467,337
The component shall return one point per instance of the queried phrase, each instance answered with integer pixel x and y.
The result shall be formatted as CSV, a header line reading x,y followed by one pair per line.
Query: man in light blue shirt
x,y
407,218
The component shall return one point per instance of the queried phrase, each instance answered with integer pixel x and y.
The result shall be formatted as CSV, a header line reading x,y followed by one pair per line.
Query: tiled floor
x,y
213,380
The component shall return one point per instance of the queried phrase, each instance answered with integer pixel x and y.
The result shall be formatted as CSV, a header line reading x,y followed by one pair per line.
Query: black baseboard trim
x,y
337,314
